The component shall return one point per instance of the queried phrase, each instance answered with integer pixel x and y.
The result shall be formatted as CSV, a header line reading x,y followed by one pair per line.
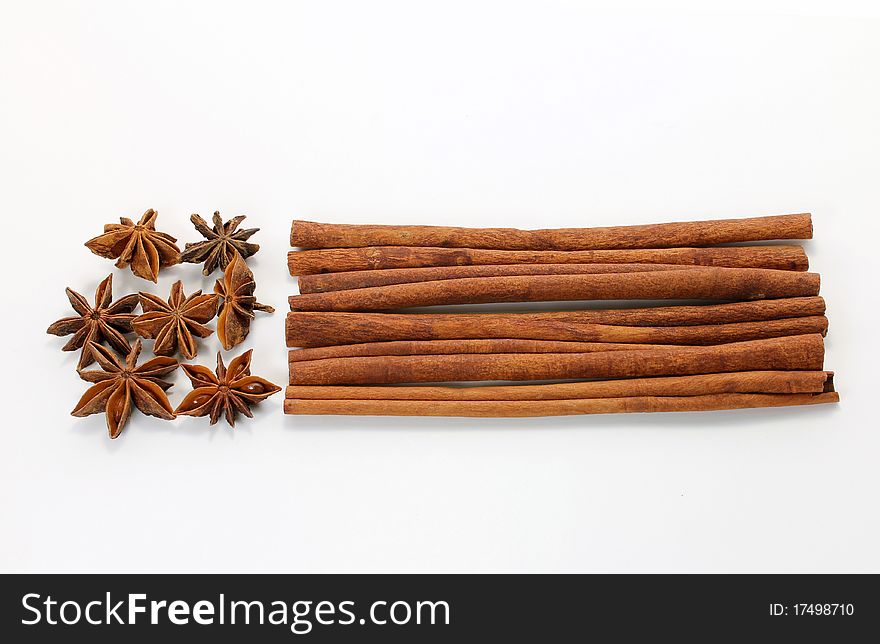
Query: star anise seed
x,y
227,392
139,245
237,310
173,324
222,242
107,321
121,383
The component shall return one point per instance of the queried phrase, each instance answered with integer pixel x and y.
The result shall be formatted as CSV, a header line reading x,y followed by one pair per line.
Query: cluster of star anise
x,y
100,331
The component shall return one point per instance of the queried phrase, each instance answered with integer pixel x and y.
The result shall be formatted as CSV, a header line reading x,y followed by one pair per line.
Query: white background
x,y
473,113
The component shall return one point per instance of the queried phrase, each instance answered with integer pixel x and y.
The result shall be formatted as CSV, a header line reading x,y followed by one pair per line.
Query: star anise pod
x,y
121,383
107,321
222,242
237,310
174,323
227,392
139,245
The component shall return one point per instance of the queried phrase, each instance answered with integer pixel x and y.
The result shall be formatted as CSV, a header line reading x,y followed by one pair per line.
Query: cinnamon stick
x,y
331,260
309,234
741,382
586,338
803,352
316,329
698,284
324,282
449,347
528,408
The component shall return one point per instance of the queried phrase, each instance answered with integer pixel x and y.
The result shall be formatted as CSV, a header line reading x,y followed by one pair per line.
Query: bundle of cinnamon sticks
x,y
361,344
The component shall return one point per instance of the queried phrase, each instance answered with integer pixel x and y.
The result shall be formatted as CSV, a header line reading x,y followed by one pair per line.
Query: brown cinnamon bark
x,y
589,338
308,234
697,284
449,347
317,329
741,382
331,260
324,282
802,353
528,408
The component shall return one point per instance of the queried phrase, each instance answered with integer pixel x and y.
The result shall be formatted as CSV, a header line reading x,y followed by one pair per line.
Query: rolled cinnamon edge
x,y
325,282
314,329
744,382
712,284
308,234
331,260
829,382
801,353
567,407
